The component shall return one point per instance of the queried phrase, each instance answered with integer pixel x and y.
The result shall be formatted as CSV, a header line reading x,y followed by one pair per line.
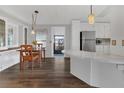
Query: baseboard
x,y
50,58
54,57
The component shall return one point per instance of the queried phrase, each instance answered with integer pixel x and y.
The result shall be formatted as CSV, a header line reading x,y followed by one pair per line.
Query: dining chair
x,y
27,55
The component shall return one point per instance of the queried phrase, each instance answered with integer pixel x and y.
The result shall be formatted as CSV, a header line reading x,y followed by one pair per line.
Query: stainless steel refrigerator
x,y
88,41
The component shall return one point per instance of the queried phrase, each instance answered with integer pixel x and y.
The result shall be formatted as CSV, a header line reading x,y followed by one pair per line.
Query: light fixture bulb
x,y
91,19
32,32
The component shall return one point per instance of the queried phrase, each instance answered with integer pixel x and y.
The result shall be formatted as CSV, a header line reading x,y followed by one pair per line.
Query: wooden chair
x,y
39,45
27,54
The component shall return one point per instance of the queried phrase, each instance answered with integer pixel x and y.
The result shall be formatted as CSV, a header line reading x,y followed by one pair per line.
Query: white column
x,y
75,43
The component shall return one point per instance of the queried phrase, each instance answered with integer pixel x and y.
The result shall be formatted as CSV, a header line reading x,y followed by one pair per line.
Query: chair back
x,y
39,46
26,52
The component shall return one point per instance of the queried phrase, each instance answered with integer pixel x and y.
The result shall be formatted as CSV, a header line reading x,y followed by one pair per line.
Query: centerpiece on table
x,y
34,43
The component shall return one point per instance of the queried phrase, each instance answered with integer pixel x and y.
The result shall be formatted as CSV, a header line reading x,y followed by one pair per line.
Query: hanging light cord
x,y
91,9
34,17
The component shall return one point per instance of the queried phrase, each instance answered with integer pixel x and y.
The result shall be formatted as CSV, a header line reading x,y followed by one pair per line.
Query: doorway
x,y
58,41
58,44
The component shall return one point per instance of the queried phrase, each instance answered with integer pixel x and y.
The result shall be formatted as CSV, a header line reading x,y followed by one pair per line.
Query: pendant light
x,y
91,17
34,18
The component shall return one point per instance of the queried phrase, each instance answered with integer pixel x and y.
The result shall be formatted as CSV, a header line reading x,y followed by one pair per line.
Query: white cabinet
x,y
8,59
100,48
103,49
87,27
107,33
102,30
106,49
75,35
99,28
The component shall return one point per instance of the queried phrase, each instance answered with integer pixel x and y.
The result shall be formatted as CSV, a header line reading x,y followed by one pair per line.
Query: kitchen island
x,y
96,69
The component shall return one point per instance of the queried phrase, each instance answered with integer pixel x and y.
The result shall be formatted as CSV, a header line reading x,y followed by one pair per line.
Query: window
x,y
41,37
2,33
12,36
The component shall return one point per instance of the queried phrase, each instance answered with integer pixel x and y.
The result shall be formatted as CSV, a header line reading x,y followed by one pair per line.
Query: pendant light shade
x,y
91,17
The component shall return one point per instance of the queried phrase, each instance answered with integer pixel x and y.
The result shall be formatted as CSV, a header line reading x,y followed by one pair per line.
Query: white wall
x,y
15,22
68,39
54,30
44,29
117,29
21,35
10,58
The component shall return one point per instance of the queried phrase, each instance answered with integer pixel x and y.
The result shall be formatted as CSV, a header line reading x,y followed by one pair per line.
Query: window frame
x,y
4,47
15,35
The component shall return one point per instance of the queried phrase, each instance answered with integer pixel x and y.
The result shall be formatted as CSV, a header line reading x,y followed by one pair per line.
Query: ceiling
x,y
54,14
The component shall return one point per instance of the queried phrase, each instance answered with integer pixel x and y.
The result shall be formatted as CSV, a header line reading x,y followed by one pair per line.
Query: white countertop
x,y
106,58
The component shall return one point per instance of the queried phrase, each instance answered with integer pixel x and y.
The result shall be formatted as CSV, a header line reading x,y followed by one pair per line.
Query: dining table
x,y
41,52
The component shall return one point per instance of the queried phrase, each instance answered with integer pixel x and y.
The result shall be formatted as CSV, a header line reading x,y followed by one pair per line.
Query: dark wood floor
x,y
50,74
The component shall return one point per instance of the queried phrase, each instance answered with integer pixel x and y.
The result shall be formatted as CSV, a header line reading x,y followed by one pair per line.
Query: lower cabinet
x,y
8,59
104,49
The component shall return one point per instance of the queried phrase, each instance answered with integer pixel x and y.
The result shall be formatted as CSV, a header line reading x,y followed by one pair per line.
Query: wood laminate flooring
x,y
53,73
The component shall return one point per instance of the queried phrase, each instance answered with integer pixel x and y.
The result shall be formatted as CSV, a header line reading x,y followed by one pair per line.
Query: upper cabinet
x,y
102,29
99,28
107,31
87,27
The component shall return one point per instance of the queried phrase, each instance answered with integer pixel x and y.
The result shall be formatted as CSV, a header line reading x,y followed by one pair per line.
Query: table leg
x,y
21,62
40,55
44,55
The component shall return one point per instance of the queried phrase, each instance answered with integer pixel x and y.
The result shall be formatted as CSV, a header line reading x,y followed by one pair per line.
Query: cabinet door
x,y
107,30
87,27
99,48
106,49
8,59
99,28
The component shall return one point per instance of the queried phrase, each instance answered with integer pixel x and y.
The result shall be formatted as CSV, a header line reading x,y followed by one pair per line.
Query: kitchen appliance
x,y
88,41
